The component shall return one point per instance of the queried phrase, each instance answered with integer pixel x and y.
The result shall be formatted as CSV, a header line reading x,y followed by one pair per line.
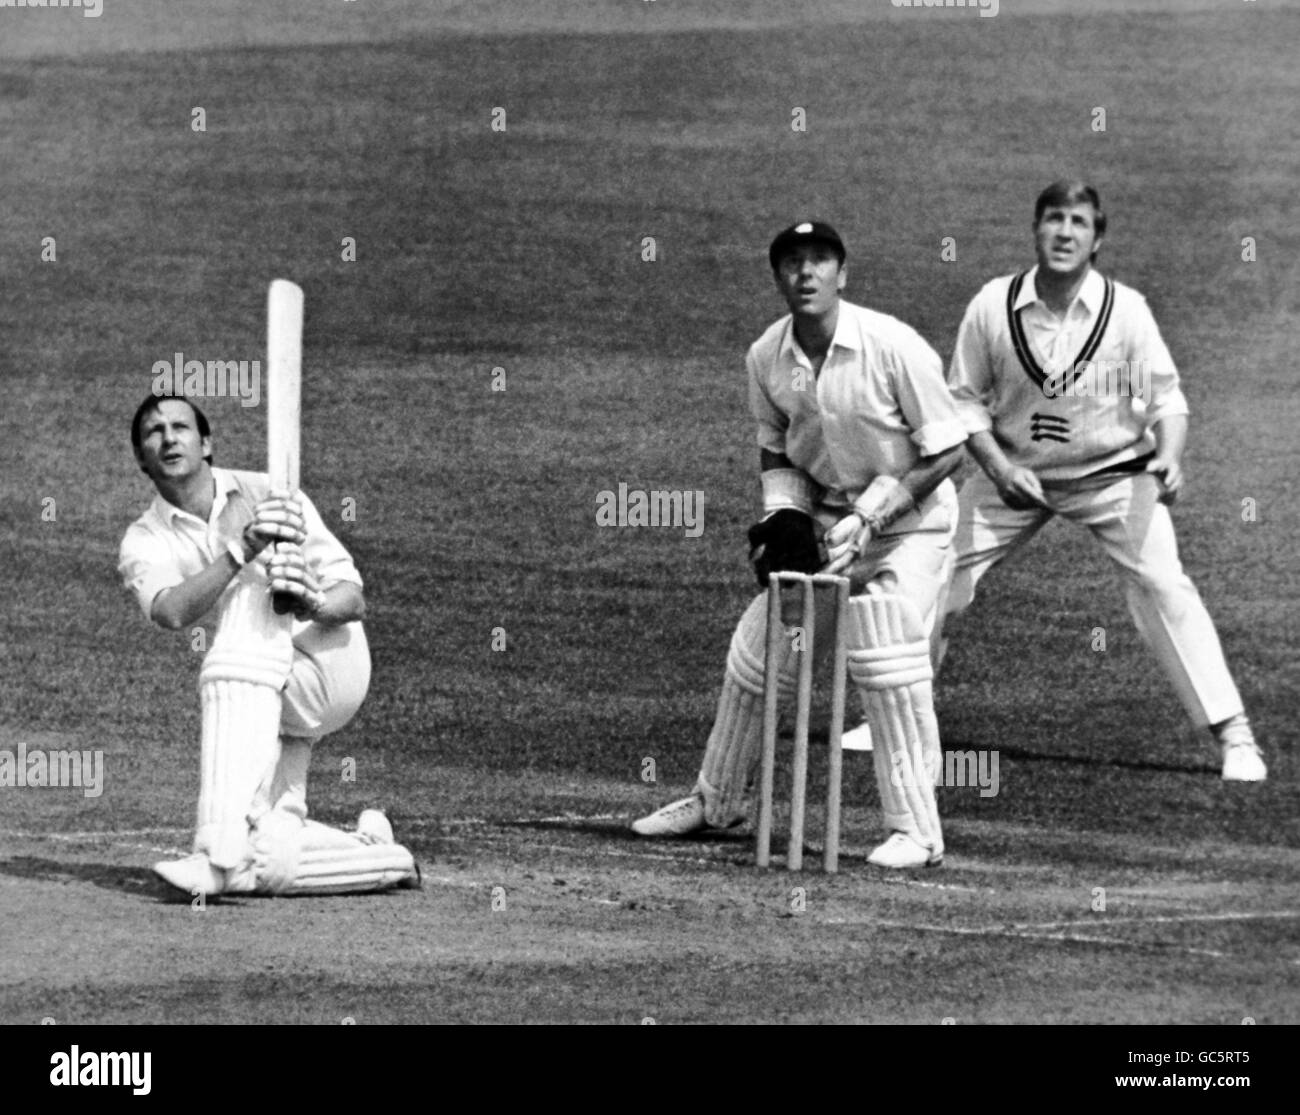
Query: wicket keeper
x,y
857,436
270,687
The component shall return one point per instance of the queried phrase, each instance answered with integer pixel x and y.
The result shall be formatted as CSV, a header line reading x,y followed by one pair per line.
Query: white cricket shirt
x,y
878,405
1064,396
166,545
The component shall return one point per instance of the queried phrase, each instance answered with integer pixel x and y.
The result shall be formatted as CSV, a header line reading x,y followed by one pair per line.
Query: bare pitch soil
x,y
519,770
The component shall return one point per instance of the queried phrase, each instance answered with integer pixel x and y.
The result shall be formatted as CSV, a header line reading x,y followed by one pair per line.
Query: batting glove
x,y
290,574
278,518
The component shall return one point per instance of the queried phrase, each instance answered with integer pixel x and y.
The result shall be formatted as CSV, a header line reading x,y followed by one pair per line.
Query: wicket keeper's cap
x,y
805,232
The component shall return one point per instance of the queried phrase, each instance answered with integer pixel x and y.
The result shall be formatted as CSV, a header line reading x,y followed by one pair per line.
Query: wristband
x,y
786,488
884,501
236,550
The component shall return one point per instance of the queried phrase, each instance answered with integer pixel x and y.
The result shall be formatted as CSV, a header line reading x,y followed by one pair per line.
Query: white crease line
x,y
106,833
937,886
153,848
1064,938
558,819
107,839
813,853
1159,919
520,822
618,853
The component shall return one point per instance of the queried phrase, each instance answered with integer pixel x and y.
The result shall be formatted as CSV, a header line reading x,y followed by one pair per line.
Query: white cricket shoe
x,y
859,739
1242,761
678,818
193,875
900,850
374,828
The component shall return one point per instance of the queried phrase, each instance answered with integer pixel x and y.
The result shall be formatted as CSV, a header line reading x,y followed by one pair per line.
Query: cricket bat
x,y
283,394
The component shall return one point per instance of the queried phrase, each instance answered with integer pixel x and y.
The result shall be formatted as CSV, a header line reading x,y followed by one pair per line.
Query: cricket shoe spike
x,y
193,875
901,851
678,818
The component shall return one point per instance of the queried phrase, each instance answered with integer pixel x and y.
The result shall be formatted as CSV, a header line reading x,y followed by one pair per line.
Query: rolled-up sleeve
x,y
147,566
970,375
325,553
772,423
1160,388
924,400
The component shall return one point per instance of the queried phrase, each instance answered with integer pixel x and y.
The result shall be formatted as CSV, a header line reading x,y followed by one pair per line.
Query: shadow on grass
x,y
129,880
619,830
1019,754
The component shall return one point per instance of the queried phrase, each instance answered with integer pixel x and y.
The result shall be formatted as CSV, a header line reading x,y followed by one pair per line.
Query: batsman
x,y
857,436
282,671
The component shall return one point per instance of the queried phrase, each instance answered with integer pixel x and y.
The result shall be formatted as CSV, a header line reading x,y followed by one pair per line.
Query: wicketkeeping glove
x,y
785,542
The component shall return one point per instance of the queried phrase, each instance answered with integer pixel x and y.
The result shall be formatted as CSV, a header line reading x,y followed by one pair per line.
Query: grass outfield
x,y
475,508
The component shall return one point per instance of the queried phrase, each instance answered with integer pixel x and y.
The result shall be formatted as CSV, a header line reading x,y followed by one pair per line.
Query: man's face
x,y
810,278
1065,238
170,445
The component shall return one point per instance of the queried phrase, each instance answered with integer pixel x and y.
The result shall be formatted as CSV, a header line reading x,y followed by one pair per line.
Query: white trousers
x,y
1136,532
328,683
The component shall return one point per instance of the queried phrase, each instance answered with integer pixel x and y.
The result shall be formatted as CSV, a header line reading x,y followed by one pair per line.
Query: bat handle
x,y
282,603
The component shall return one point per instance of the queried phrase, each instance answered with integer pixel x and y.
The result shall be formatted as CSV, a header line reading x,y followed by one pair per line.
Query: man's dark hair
x,y
1071,191
150,403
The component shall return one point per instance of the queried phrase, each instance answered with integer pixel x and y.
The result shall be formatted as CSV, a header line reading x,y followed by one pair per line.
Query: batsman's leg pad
x,y
277,845
293,857
239,691
238,751
889,661
732,753
337,862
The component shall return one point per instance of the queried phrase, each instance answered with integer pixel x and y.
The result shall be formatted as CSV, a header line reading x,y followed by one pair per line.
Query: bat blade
x,y
284,382
283,394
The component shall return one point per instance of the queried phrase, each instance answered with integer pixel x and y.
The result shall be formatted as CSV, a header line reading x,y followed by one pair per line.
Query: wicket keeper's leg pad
x,y
732,754
889,661
296,857
787,541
